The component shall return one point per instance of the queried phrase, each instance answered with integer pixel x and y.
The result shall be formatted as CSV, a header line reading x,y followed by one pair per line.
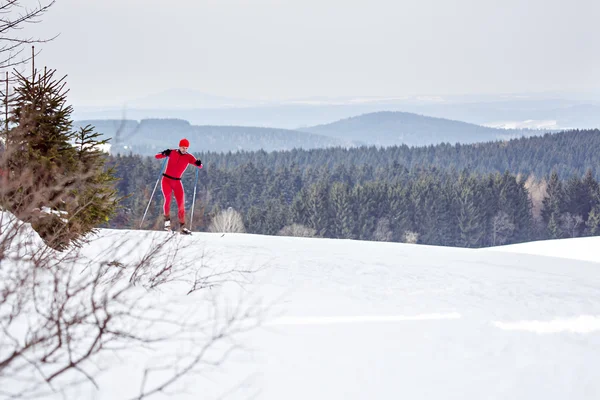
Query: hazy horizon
x,y
425,98
115,51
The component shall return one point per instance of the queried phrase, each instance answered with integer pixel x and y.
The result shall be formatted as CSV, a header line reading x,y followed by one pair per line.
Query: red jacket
x,y
178,162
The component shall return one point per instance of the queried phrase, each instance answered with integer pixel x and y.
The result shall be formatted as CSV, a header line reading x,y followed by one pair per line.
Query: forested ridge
x,y
456,195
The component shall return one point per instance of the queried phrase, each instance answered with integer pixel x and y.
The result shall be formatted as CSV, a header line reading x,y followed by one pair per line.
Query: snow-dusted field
x,y
368,320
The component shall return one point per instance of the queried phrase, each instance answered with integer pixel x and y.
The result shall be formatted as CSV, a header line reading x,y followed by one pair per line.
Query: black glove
x,y
166,152
198,162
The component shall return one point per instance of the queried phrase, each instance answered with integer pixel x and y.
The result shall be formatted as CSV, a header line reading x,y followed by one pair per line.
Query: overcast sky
x,y
116,50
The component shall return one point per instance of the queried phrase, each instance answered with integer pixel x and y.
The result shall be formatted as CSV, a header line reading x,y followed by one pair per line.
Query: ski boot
x,y
167,224
184,231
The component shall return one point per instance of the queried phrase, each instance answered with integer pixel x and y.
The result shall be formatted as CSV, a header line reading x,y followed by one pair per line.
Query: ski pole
x,y
152,195
194,200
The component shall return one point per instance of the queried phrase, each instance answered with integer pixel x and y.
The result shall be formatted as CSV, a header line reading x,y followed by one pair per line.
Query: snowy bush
x,y
297,230
411,237
228,221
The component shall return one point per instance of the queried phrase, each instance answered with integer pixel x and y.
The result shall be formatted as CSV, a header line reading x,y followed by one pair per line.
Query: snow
x,y
582,324
527,124
356,320
104,147
583,249
49,211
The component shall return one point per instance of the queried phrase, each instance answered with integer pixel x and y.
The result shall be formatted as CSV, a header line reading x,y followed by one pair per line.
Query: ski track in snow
x,y
360,319
476,284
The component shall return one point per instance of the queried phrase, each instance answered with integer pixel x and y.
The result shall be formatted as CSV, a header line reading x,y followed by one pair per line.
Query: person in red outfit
x,y
171,181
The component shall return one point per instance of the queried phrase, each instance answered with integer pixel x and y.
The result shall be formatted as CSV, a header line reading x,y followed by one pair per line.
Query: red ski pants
x,y
169,186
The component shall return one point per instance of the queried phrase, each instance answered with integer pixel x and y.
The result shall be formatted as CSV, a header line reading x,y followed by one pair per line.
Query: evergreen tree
x,y
275,217
471,222
368,201
431,216
591,193
592,225
56,169
523,214
576,197
401,211
254,220
555,227
553,206
41,156
343,214
317,207
95,188
299,209
553,202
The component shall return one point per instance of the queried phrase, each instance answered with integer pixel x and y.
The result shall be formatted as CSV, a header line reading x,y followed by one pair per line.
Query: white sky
x,y
115,50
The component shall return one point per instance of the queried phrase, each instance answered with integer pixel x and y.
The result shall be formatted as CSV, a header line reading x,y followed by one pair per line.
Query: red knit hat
x,y
184,143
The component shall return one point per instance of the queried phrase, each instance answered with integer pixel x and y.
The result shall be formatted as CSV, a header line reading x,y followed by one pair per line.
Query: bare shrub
x,y
571,224
502,228
411,237
383,233
63,313
228,221
14,15
297,230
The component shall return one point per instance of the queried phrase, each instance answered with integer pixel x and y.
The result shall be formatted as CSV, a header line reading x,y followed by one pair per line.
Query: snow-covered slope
x,y
585,249
367,320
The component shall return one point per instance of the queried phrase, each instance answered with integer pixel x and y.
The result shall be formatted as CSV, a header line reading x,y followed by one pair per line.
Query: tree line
x,y
346,198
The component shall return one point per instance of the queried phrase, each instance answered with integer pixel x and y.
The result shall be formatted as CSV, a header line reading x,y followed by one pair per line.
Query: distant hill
x,y
518,111
564,113
389,128
151,135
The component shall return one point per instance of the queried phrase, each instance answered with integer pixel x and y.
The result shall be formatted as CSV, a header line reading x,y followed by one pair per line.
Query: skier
x,y
171,182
